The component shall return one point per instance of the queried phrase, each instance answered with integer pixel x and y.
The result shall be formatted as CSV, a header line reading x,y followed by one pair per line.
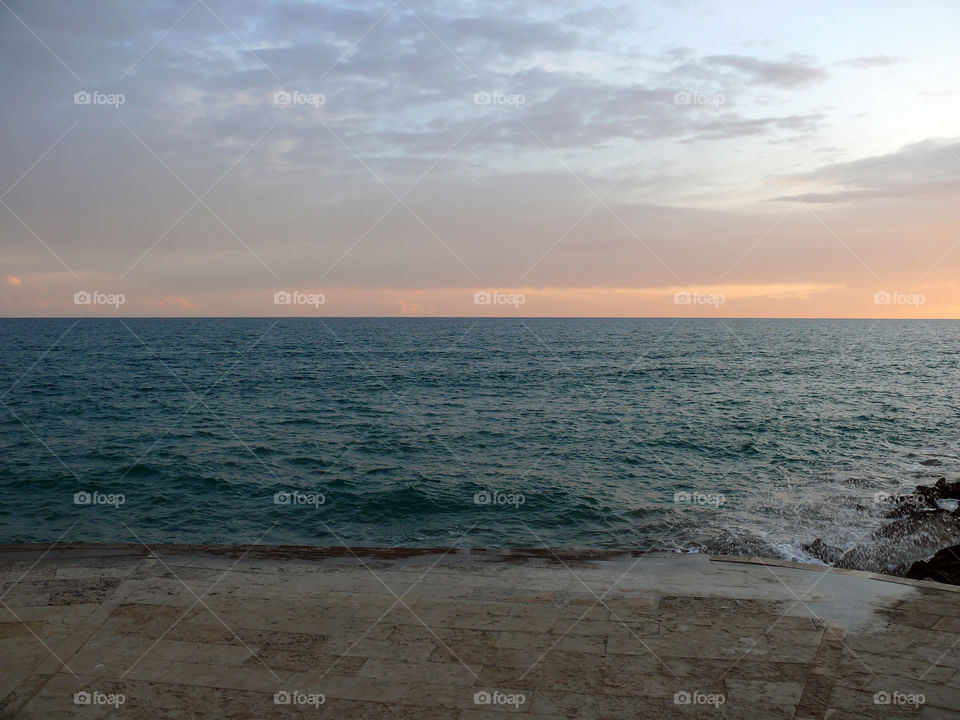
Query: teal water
x,y
483,433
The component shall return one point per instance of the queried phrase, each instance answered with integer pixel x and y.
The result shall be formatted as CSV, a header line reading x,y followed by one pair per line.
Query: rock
x,y
943,567
941,490
820,550
925,497
946,490
940,526
918,527
914,507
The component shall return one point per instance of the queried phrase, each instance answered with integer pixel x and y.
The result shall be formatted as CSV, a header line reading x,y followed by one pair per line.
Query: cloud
x,y
794,72
408,308
312,191
794,291
179,303
875,61
12,280
728,126
930,167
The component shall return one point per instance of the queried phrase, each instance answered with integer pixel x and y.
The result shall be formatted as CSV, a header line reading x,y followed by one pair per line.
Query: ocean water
x,y
740,436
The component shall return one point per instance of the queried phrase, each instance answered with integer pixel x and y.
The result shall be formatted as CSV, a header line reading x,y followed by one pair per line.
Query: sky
x,y
495,158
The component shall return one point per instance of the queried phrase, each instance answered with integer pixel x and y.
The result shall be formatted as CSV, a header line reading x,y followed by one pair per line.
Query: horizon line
x,y
463,317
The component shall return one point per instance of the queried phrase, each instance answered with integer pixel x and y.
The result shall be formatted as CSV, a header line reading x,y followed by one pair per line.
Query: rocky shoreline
x,y
917,519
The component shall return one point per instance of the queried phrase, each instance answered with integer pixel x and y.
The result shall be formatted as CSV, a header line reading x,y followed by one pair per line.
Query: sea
x,y
677,435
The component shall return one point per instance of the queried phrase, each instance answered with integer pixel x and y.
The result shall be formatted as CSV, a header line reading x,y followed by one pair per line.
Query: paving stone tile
x,y
445,673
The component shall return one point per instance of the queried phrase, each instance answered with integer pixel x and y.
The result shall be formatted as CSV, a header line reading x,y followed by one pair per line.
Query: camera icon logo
x,y
482,498
282,697
282,498
282,298
682,298
82,498
682,98
882,297
81,97
82,298
281,97
681,497
482,98
81,698
482,698
482,298
881,698
682,698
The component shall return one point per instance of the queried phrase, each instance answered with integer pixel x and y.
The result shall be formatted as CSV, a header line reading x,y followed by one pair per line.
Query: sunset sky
x,y
685,158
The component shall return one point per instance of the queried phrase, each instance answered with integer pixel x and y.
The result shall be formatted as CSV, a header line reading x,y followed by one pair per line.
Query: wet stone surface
x,y
326,633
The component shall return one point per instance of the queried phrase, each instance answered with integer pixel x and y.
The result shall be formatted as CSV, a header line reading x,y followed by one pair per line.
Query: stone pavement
x,y
184,632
